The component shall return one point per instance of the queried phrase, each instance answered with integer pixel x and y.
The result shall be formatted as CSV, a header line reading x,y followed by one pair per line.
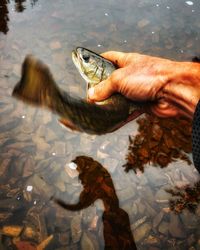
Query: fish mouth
x,y
76,59
78,63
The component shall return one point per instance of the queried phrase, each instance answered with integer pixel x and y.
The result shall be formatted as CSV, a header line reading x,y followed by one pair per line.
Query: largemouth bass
x,y
37,87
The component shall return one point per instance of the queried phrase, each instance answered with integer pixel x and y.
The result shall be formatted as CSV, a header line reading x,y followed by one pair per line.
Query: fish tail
x,y
36,86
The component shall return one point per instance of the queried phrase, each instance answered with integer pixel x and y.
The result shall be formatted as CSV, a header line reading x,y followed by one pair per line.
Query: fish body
x,y
37,87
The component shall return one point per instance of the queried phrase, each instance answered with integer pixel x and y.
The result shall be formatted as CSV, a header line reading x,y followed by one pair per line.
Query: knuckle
x,y
115,79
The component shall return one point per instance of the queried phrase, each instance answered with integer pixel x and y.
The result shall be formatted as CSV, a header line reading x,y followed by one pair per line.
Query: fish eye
x,y
86,58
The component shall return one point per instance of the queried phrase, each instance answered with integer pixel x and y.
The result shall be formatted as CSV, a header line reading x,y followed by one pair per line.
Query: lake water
x,y
36,151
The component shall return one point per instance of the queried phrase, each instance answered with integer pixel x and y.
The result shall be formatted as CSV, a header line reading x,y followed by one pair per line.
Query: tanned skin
x,y
173,86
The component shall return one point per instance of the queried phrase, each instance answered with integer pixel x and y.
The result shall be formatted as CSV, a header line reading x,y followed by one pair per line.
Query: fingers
x,y
107,87
102,91
119,58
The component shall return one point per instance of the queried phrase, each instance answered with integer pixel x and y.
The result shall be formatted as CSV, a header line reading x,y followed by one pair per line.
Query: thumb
x,y
119,58
101,91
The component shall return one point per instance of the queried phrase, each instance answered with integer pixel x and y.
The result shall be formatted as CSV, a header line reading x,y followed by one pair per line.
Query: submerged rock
x,y
163,228
176,228
76,228
13,230
87,242
141,232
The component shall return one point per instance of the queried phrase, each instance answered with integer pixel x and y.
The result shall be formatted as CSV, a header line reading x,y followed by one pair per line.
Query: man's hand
x,y
174,86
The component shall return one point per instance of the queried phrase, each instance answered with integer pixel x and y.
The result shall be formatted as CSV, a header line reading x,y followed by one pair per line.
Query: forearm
x,y
183,86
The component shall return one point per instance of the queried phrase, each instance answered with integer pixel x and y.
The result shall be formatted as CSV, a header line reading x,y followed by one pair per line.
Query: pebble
x,y
13,231
27,127
189,219
60,185
17,70
142,23
141,232
152,240
76,228
71,170
157,219
162,196
41,144
30,233
54,45
138,223
110,164
86,242
39,185
126,194
176,228
164,228
60,148
64,238
4,166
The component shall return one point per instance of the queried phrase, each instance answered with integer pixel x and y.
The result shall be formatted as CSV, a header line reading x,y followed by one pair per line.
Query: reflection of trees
x,y
97,184
33,2
4,18
185,197
159,142
19,5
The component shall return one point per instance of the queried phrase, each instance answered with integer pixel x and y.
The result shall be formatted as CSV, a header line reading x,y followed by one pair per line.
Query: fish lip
x,y
74,54
75,58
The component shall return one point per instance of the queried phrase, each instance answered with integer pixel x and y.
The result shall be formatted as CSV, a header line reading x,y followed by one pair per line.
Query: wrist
x,y
182,87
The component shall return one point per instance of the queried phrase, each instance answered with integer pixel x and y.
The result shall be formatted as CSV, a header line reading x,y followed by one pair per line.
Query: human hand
x,y
173,86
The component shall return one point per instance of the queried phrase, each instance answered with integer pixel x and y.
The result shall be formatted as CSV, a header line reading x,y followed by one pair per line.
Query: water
x,y
36,150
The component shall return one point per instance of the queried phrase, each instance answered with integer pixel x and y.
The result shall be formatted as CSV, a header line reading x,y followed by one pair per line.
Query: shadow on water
x,y
97,184
4,11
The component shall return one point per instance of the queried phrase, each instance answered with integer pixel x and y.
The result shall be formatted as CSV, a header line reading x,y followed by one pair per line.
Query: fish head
x,y
92,67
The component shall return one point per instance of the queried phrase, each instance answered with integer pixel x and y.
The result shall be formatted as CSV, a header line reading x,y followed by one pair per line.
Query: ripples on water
x,y
36,150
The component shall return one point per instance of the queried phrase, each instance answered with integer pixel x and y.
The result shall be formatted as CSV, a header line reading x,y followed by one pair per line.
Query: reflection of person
x,y
97,184
173,86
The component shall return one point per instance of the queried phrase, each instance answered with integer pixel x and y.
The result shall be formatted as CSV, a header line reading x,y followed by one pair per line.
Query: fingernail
x,y
91,92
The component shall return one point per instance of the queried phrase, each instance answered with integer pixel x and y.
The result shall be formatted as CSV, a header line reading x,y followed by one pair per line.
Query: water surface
x,y
36,150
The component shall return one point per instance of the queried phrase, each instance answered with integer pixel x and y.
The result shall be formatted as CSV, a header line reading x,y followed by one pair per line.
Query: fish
x,y
38,88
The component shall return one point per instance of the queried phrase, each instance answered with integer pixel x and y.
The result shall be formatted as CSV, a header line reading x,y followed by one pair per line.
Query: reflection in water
x,y
19,5
4,18
185,197
97,184
159,141
34,140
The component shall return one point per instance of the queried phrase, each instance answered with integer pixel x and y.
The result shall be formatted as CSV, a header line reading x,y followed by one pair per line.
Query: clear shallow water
x,y
36,150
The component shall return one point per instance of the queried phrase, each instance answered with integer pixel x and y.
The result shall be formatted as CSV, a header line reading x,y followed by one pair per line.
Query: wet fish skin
x,y
37,87
94,69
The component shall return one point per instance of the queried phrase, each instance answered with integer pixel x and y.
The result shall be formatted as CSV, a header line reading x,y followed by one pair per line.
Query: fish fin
x,y
135,114
68,124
